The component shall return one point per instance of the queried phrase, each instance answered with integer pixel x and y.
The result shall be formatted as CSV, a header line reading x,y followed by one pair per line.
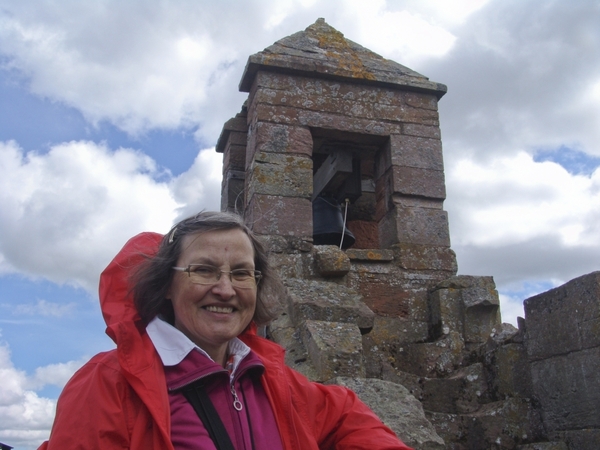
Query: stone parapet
x,y
571,311
562,339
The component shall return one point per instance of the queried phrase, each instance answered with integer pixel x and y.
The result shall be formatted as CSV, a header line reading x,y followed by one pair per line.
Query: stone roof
x,y
322,51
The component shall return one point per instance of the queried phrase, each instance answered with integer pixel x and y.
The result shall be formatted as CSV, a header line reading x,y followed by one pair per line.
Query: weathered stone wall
x,y
563,346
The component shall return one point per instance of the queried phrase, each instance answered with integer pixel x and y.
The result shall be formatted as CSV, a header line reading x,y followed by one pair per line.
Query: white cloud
x,y
402,35
531,225
513,199
139,65
200,187
65,214
145,65
25,418
42,308
521,77
54,374
511,307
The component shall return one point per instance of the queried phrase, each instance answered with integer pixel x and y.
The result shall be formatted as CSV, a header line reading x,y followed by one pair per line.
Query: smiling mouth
x,y
219,309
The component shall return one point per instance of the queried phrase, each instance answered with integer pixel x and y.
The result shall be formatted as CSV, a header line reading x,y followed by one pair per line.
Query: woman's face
x,y
212,315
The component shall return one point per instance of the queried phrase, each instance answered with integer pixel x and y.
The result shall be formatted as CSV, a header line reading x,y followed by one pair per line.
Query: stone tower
x,y
328,122
315,99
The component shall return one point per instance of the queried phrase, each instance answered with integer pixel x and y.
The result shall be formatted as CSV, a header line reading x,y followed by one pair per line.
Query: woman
x,y
189,370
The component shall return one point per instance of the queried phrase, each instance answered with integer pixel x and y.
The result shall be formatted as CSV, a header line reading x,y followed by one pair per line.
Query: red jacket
x,y
119,400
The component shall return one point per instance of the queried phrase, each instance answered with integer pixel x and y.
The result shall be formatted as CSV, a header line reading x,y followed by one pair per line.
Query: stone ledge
x,y
377,255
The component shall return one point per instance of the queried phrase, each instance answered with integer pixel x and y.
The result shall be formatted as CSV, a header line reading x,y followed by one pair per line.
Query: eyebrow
x,y
206,260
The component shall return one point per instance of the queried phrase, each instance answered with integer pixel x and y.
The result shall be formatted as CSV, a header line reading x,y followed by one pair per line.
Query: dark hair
x,y
152,280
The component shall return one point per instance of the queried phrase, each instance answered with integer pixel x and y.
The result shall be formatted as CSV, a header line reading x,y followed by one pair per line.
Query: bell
x,y
328,223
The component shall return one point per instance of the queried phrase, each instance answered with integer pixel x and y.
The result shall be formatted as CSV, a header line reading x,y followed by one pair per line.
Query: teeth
x,y
219,309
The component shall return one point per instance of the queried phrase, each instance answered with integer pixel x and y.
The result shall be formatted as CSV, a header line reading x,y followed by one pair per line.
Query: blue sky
x,y
109,113
36,123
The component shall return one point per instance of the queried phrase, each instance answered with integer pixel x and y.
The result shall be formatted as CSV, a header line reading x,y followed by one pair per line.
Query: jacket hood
x,y
116,300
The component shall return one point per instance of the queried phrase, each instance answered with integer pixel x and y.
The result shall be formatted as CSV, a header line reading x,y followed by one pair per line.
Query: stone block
x,y
280,174
331,261
419,100
234,157
297,86
277,215
408,380
413,151
237,124
396,408
450,428
414,129
474,290
348,99
509,371
390,292
282,331
571,311
293,265
586,439
232,191
425,257
480,322
568,389
464,391
446,311
318,119
502,425
411,181
467,304
391,332
335,348
327,301
238,138
388,336
277,138
287,244
384,296
430,359
422,226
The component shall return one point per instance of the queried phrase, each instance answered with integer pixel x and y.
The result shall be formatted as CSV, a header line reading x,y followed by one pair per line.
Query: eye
x,y
242,274
202,269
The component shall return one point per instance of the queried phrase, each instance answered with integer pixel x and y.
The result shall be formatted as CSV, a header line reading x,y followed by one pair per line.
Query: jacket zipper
x,y
237,404
236,401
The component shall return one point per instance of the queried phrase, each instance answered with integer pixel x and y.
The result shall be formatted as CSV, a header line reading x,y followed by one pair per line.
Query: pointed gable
x,y
323,51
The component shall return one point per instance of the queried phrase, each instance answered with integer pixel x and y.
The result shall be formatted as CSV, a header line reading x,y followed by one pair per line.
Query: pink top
x,y
252,426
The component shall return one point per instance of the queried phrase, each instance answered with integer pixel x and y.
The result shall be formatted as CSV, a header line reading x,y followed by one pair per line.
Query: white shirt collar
x,y
173,346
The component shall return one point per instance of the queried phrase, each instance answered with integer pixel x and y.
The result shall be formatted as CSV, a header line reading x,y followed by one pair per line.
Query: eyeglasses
x,y
205,274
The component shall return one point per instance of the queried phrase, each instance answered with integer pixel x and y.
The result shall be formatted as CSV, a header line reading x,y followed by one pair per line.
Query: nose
x,y
224,287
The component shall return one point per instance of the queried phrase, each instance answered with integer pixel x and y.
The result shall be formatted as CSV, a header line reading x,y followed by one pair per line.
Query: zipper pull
x,y
236,401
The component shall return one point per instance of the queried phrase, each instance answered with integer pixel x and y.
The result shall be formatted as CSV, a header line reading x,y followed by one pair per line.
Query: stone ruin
x,y
383,312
